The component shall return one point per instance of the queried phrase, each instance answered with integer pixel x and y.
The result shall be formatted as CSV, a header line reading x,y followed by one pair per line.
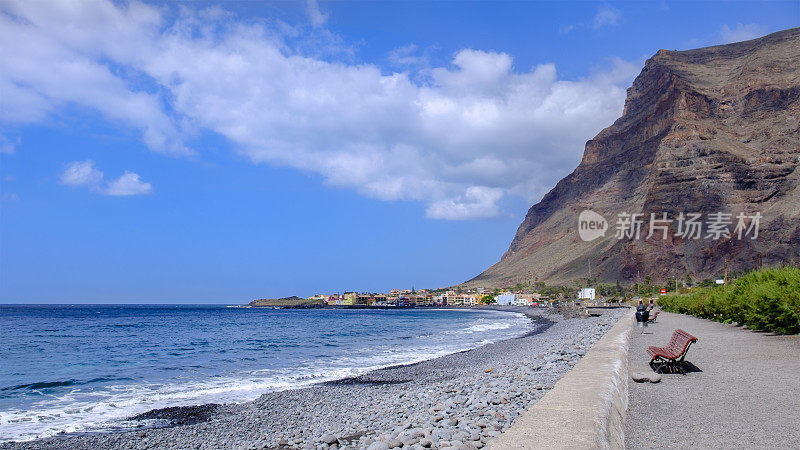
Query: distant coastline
x,y
287,302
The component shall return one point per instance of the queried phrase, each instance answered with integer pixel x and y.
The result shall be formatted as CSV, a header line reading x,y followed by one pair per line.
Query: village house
x,y
424,299
505,299
349,298
469,300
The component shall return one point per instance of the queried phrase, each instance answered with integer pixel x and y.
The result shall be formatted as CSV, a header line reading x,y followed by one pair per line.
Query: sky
x,y
216,152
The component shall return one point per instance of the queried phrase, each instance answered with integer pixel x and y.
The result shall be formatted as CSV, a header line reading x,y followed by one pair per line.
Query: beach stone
x,y
380,445
441,434
655,377
642,377
328,439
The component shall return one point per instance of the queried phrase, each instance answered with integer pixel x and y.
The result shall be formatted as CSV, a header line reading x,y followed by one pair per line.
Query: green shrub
x,y
765,300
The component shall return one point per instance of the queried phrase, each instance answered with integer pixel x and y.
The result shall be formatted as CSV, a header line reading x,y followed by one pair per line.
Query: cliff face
x,y
710,130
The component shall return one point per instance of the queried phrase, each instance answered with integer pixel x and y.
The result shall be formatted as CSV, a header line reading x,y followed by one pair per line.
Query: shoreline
x,y
368,409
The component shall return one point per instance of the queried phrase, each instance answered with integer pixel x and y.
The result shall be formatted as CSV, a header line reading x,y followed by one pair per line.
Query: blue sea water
x,y
83,368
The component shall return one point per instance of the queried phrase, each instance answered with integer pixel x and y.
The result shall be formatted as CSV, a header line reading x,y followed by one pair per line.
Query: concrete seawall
x,y
585,409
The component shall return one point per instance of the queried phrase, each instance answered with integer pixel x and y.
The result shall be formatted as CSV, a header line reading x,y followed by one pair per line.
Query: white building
x,y
586,294
522,301
506,298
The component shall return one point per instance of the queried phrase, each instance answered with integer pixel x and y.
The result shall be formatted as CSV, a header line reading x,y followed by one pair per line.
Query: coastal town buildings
x,y
411,297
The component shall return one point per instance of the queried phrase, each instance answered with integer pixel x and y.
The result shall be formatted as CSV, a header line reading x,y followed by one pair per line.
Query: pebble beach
x,y
462,400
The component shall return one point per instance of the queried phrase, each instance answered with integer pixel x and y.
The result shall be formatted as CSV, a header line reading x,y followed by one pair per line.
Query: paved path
x,y
747,394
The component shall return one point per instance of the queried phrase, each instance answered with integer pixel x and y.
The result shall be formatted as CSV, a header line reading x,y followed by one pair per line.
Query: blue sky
x,y
204,152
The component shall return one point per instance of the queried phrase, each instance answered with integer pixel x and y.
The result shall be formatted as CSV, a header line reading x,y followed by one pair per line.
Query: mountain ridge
x,y
704,130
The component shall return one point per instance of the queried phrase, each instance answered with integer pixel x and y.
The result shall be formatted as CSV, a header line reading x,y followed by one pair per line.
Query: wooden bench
x,y
672,355
653,317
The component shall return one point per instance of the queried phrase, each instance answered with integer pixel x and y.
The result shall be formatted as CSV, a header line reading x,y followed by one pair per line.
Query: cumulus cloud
x,y
84,173
741,32
49,64
457,138
606,16
81,173
476,203
128,184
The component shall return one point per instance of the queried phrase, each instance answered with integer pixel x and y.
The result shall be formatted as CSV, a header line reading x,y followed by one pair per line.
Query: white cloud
x,y
84,173
606,16
48,64
476,203
79,173
315,15
458,141
409,56
128,184
742,32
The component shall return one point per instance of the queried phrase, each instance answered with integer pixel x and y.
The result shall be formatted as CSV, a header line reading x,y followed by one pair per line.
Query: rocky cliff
x,y
711,130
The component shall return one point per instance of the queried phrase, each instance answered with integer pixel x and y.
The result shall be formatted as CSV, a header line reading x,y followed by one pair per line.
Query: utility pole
x,y
637,283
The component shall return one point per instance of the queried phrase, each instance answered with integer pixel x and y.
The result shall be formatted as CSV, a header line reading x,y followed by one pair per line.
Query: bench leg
x,y
680,362
657,365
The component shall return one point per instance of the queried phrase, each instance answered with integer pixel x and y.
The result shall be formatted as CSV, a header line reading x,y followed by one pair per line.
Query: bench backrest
x,y
679,341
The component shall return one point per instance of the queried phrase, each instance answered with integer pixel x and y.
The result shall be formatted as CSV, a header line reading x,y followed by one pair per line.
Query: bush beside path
x,y
763,300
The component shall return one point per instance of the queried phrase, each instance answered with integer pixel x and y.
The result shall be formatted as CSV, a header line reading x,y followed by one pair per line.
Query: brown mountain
x,y
715,129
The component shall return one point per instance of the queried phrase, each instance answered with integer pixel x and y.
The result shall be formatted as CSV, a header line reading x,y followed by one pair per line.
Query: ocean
x,y
86,368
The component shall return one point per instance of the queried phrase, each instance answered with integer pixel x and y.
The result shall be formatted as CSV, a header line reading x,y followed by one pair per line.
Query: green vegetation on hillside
x,y
765,300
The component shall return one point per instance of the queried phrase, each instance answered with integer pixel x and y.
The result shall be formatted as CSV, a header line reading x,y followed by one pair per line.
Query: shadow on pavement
x,y
673,369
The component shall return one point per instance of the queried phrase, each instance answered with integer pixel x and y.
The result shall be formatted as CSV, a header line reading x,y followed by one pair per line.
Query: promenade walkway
x,y
746,394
